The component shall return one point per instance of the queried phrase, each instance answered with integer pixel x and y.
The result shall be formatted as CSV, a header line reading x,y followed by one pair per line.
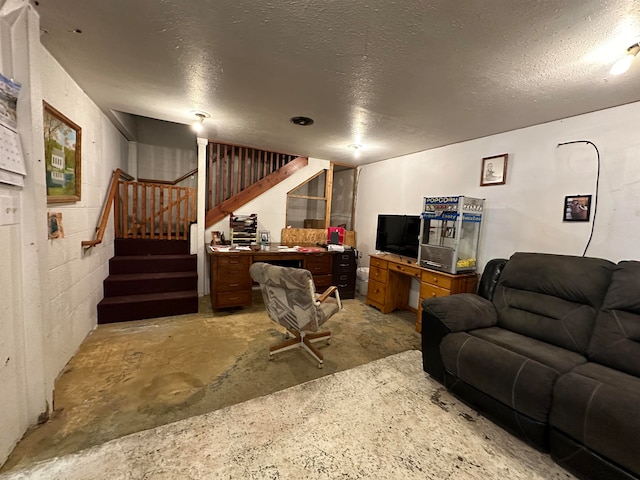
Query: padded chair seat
x,y
516,370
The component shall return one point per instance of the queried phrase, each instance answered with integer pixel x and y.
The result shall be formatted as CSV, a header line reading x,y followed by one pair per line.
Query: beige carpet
x,y
386,419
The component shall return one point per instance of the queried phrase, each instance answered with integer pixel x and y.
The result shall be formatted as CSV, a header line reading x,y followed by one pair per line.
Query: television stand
x,y
390,281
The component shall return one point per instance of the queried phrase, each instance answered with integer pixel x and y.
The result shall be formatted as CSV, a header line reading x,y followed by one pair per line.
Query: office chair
x,y
291,301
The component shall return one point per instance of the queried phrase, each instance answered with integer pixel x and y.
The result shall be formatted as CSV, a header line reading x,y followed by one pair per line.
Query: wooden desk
x,y
390,281
230,283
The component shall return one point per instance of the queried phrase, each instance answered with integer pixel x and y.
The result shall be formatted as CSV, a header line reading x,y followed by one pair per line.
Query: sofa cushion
x,y
616,336
598,407
560,359
522,380
552,298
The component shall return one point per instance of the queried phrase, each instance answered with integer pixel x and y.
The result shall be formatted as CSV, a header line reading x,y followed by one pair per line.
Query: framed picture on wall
x,y
494,170
577,208
62,156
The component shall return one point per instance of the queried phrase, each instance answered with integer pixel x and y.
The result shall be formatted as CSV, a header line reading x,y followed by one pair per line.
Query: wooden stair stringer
x,y
224,209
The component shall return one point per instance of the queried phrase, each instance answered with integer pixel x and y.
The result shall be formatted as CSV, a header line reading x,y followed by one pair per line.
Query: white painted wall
x,y
525,214
75,277
50,288
165,151
22,287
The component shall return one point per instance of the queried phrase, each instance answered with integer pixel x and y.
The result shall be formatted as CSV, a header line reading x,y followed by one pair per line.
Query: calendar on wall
x,y
12,168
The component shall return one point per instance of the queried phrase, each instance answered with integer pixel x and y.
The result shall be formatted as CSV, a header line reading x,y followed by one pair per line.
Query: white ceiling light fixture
x,y
356,147
198,123
625,62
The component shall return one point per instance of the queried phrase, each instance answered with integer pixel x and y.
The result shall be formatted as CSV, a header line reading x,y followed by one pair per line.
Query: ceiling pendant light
x,y
625,62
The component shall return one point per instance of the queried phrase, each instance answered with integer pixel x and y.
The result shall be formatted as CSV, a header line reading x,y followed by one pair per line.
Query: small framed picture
x,y
264,237
577,208
494,170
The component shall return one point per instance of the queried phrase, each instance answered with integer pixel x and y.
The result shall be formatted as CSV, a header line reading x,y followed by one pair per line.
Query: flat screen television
x,y
399,234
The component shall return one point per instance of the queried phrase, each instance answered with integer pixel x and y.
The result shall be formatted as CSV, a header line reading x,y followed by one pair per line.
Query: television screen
x,y
398,234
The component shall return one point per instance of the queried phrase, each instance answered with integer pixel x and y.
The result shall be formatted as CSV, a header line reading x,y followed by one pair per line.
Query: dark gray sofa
x,y
550,350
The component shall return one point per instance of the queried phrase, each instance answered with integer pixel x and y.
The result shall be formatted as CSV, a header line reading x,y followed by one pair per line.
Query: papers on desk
x,y
284,248
311,249
228,248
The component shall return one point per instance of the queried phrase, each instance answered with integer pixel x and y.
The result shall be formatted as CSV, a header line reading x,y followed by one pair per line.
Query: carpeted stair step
x,y
152,263
151,305
140,283
148,246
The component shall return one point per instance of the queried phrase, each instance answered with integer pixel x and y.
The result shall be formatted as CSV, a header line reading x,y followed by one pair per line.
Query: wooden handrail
x,y
170,182
113,189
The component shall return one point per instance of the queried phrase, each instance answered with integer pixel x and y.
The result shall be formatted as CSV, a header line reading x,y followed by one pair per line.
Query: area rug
x,y
386,419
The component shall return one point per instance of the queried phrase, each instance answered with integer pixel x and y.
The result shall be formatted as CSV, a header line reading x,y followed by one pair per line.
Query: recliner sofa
x,y
549,348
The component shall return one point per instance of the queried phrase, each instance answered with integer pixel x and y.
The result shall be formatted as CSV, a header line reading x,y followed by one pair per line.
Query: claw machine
x,y
450,233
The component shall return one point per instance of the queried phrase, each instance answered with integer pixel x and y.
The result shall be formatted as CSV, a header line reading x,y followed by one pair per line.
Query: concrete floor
x,y
132,376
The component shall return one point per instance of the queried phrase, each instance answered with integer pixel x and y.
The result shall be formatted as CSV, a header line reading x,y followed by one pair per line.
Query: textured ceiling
x,y
395,76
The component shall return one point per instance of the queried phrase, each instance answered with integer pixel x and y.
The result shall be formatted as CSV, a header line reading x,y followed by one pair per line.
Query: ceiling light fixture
x,y
197,125
301,121
625,62
356,147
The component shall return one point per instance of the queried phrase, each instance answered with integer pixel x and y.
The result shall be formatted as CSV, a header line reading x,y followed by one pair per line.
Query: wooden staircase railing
x,y
152,210
106,208
157,210
238,174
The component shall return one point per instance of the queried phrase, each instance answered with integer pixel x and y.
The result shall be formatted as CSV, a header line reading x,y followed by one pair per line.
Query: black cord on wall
x,y
595,198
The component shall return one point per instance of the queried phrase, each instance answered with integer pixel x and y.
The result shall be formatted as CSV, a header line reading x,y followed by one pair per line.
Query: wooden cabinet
x,y
230,281
344,273
390,281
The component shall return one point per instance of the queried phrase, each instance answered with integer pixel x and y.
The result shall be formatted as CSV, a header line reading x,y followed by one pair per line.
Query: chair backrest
x,y
289,296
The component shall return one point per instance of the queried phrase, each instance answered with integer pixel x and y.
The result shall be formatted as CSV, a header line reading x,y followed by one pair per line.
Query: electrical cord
x,y
595,198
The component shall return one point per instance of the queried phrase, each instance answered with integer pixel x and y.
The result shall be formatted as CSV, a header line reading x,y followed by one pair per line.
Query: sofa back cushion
x,y
616,336
552,298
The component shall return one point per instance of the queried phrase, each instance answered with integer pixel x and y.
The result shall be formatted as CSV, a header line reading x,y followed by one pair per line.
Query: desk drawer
x,y
233,299
378,274
322,282
405,269
233,284
318,263
376,262
376,292
233,260
344,262
437,280
428,291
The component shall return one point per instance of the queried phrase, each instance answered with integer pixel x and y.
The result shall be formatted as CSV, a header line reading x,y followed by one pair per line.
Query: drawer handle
x,y
233,272
233,298
234,284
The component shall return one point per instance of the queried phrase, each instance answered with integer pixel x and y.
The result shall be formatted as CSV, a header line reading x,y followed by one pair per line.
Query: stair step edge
x,y
149,297
120,277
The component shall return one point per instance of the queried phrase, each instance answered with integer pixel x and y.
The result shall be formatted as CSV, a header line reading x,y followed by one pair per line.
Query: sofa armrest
x,y
461,312
444,315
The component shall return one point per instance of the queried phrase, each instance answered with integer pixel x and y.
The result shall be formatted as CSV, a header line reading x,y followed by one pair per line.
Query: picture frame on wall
x,y
63,156
577,208
494,170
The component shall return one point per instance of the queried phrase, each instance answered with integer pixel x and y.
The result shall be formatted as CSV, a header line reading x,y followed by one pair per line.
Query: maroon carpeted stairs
x,y
148,279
